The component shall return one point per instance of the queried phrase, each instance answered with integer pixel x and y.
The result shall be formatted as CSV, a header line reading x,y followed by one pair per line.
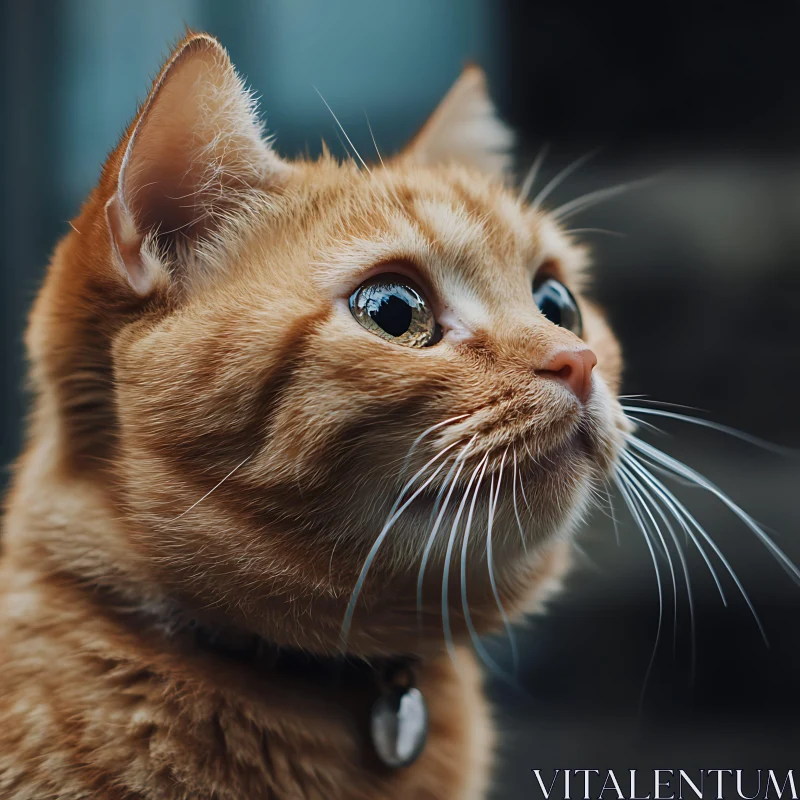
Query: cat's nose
x,y
574,368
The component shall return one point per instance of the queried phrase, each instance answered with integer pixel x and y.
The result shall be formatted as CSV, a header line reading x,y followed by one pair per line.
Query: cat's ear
x,y
464,129
195,151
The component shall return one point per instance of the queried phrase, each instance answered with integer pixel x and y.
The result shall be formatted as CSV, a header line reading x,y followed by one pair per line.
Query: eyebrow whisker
x,y
533,173
344,132
555,182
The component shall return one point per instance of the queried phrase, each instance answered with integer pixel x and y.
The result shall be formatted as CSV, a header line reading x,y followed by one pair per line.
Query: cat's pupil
x,y
556,302
551,310
392,313
392,308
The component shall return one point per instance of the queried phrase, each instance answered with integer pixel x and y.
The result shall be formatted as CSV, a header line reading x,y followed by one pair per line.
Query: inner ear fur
x,y
196,149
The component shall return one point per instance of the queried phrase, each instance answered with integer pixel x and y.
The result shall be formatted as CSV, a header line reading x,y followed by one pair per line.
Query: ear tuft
x,y
465,129
196,151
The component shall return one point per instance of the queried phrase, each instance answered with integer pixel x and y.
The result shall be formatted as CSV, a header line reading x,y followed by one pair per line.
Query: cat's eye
x,y
391,306
556,302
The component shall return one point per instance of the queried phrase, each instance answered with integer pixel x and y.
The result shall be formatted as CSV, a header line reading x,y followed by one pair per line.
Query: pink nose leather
x,y
574,368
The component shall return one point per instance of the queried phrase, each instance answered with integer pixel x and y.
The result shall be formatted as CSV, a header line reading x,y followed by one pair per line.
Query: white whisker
x,y
590,199
716,426
604,231
374,142
684,565
448,635
514,500
614,519
344,132
686,519
394,515
644,496
490,567
673,503
686,472
630,502
645,424
452,478
530,178
212,490
476,642
555,182
423,435
388,190
643,398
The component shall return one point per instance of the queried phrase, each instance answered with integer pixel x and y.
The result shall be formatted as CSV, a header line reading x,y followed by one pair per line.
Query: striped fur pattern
x,y
212,431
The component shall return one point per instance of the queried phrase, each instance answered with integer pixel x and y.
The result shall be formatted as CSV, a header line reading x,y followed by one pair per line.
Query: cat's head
x,y
275,372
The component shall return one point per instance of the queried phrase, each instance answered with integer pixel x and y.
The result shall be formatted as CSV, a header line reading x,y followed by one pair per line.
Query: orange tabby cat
x,y
285,409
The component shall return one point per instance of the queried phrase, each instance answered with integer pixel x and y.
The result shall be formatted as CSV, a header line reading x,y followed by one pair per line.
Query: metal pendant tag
x,y
399,726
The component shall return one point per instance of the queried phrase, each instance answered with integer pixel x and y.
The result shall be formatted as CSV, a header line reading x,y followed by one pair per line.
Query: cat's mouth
x,y
572,437
547,443
563,441
510,486
566,449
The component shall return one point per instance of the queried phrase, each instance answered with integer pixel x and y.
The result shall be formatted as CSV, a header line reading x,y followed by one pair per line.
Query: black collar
x,y
266,656
398,719
399,716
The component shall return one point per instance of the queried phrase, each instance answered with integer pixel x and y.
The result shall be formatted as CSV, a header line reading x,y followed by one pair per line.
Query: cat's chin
x,y
586,441
548,433
550,464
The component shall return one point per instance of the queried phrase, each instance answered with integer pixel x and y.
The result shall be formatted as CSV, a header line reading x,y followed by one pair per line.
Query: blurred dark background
x,y
699,271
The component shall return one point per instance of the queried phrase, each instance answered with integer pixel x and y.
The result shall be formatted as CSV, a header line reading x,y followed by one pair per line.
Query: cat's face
x,y
331,349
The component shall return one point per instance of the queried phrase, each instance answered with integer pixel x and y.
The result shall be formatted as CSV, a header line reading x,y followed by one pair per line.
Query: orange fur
x,y
193,327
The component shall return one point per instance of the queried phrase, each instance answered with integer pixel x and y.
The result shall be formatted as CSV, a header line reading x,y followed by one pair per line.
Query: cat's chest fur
x,y
91,710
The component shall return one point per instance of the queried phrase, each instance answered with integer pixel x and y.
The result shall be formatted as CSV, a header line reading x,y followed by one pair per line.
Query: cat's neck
x,y
61,521
197,724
